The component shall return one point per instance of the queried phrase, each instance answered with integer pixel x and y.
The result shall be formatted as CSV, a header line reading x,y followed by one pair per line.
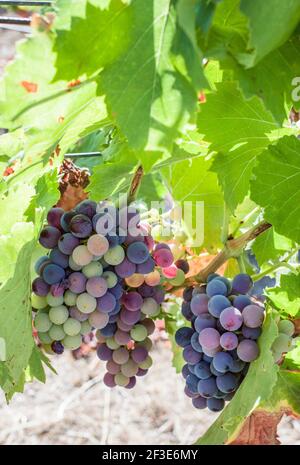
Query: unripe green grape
x,y
57,333
92,269
74,265
42,322
81,255
130,368
86,303
146,364
150,306
138,333
70,298
72,342
115,255
111,278
277,356
45,338
54,301
112,344
38,302
72,327
286,327
58,315
282,343
121,380
179,278
85,328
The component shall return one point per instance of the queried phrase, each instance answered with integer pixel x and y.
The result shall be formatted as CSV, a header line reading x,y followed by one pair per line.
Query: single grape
x,y
149,325
53,274
120,355
57,347
115,255
54,301
72,327
112,281
195,342
106,303
54,215
92,269
192,383
81,255
98,245
183,265
253,316
87,207
199,402
130,368
125,269
163,257
121,380
179,278
40,287
67,243
38,267
77,282
231,319
216,287
66,218
217,304
190,355
59,258
209,338
112,344
70,298
183,336
139,354
170,272
109,330
237,366
42,322
215,405
186,311
251,333
109,380
202,370
286,327
229,341
85,328
207,387
204,321
112,367
138,333
122,337
130,318
187,294
141,372
241,283
150,307
56,332
241,301
199,304
98,320
58,315
227,382
146,267
138,253
222,362
86,303
104,353
72,342
282,343
247,350
96,286
132,301
46,339
136,280
49,237
132,383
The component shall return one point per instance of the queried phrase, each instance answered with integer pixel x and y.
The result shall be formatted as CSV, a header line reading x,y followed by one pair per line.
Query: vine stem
x,y
135,184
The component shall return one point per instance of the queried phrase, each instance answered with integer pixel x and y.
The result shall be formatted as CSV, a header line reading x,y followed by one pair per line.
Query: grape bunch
x,y
221,341
103,272
284,341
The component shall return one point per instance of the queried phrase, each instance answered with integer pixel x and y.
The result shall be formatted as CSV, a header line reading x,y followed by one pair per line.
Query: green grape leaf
x,y
192,181
269,245
286,297
68,8
256,387
237,129
271,24
292,359
15,202
35,369
276,186
285,394
173,321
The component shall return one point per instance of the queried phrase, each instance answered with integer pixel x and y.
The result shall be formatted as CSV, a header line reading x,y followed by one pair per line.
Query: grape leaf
x,y
15,201
292,359
237,130
173,321
35,367
69,8
271,24
276,186
285,394
269,245
256,387
286,297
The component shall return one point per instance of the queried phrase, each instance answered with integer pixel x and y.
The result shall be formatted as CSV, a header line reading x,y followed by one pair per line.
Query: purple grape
x,y
81,226
190,355
159,294
217,304
213,370
87,207
237,366
109,330
77,314
192,383
231,319
146,267
189,393
109,380
186,311
225,281
122,337
58,290
199,402
77,282
199,304
123,326
163,257
57,347
222,362
209,338
199,290
251,333
53,274
106,303
241,301
139,354
132,301
132,382
40,287
129,317
185,371
247,350
97,287
229,341
117,291
67,243
183,265
116,310
215,405
253,316
54,215
137,253
103,352
125,269
42,261
187,294
113,318
66,218
202,370
183,336
227,383
162,245
195,342
207,359
241,283
59,258
141,372
49,237
207,387
216,287
191,368
146,291
204,321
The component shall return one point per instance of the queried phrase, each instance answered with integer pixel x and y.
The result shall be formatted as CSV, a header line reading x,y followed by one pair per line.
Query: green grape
x,y
179,278
277,356
150,306
138,333
282,343
146,363
72,327
42,322
81,255
115,255
54,301
74,265
121,380
38,302
86,303
286,327
112,344
56,332
129,368
72,342
111,278
70,298
45,338
85,327
92,269
58,315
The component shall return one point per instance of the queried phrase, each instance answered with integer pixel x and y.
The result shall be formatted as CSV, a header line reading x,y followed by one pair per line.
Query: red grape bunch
x,y
221,341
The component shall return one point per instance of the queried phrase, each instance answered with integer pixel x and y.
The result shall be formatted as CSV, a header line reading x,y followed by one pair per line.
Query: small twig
x,y
135,184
